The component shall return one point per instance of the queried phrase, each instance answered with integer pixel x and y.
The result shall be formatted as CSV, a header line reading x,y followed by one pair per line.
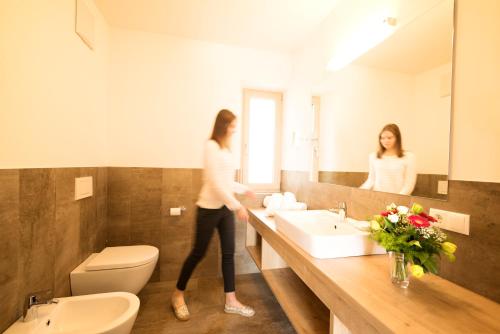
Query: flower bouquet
x,y
412,239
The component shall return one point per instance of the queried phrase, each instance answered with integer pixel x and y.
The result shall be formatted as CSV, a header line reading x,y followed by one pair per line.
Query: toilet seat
x,y
122,257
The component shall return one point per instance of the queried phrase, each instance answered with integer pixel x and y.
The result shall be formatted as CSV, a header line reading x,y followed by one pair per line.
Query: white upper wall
x,y
475,148
166,91
432,119
53,88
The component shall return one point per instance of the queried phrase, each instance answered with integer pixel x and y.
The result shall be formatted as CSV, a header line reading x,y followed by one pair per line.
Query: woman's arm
x,y
240,188
410,175
370,181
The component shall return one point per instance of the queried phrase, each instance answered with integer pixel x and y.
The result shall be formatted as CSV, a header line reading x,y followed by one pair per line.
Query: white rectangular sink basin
x,y
321,234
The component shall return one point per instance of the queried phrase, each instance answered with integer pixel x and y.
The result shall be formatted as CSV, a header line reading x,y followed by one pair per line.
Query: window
x,y
261,165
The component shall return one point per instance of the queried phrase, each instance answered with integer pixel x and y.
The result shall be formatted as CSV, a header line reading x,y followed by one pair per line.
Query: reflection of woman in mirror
x,y
391,168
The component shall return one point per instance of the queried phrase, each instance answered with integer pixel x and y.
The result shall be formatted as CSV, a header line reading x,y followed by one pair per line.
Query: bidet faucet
x,y
36,298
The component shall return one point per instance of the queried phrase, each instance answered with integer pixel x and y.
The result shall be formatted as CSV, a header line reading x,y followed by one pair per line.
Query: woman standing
x,y
216,207
391,168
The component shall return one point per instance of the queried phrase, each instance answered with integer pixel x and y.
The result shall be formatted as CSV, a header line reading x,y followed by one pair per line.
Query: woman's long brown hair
x,y
222,121
394,129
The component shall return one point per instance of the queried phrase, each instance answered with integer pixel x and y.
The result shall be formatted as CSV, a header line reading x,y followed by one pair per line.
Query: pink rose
x,y
419,221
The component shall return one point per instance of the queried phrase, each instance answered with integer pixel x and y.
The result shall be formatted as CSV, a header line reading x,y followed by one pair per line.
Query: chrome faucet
x,y
341,210
34,299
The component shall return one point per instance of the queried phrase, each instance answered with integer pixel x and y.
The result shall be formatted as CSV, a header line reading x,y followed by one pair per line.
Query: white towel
x,y
275,198
289,197
270,210
300,206
286,201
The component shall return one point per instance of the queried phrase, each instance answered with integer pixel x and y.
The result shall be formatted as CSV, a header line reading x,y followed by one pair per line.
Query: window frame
x,y
248,94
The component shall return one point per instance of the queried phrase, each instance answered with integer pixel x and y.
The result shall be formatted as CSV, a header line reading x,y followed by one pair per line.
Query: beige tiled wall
x,y
44,233
10,244
478,256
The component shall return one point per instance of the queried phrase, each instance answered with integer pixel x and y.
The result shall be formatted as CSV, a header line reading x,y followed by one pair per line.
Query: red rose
x,y
426,216
385,213
418,221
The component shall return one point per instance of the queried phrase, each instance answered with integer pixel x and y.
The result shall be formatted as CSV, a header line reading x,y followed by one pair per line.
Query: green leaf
x,y
430,265
422,256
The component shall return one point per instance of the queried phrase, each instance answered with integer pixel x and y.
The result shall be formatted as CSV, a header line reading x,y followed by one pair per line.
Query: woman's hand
x,y
250,194
242,214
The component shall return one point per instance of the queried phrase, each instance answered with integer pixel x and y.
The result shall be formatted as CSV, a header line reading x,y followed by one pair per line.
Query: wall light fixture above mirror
x,y
370,34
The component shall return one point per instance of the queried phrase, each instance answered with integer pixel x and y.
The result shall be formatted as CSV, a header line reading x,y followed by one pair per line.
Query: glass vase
x,y
399,269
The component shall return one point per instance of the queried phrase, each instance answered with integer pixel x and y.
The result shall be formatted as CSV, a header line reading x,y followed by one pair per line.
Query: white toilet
x,y
124,268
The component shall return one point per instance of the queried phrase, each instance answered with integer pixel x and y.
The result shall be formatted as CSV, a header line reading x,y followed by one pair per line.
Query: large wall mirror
x,y
405,80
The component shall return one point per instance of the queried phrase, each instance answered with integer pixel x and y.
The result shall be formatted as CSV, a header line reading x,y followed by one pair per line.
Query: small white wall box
x,y
83,187
84,25
452,221
443,187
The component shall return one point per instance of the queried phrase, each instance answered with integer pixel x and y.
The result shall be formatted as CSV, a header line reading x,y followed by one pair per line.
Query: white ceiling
x,y
423,44
281,25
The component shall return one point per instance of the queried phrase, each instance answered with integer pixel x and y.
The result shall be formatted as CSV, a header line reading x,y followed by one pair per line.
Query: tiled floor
x,y
205,300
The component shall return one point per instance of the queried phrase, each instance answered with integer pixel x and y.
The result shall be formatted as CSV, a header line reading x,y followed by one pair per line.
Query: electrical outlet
x,y
452,221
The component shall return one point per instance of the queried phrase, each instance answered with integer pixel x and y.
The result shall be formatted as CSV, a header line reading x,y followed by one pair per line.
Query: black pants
x,y
206,222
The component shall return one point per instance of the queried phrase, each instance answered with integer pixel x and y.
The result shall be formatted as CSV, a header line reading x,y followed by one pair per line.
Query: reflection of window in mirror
x,y
315,110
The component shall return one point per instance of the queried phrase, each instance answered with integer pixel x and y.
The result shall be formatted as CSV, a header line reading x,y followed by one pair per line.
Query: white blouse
x,y
218,179
392,174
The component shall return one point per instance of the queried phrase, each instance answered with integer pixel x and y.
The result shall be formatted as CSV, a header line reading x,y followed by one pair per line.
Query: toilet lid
x,y
122,257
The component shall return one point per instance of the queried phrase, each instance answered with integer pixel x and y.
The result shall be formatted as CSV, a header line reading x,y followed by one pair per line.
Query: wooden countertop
x,y
359,291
